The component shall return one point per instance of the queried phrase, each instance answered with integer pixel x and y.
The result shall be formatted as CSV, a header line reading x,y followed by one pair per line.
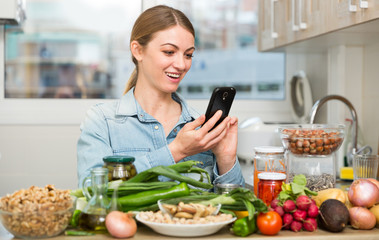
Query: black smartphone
x,y
221,99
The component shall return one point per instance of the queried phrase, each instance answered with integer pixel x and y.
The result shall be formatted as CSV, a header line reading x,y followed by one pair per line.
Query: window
x,y
80,49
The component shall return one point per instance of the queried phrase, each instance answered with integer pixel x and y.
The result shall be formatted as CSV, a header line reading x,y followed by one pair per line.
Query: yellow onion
x,y
363,193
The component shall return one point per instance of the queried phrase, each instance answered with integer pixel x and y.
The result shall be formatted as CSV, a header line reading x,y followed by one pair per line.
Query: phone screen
x,y
221,99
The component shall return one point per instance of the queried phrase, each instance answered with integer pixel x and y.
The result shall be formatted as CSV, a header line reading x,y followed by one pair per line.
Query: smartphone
x,y
221,99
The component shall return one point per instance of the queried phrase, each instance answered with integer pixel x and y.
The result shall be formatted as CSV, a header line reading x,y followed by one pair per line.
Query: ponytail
x,y
132,81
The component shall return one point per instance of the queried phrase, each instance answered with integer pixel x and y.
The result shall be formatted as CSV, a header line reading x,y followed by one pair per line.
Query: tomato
x,y
269,223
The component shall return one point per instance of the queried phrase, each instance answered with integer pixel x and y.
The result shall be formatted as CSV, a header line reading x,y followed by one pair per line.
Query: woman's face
x,y
166,59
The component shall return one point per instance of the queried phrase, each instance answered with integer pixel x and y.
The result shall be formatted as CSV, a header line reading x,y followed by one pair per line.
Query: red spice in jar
x,y
270,185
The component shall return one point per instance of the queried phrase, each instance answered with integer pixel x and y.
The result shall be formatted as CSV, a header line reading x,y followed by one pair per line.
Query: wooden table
x,y
146,233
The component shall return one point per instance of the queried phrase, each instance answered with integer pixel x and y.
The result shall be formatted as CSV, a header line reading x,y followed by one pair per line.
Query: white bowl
x,y
185,230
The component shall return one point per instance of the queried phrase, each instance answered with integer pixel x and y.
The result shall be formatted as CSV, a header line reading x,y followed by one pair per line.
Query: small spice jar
x,y
270,185
120,167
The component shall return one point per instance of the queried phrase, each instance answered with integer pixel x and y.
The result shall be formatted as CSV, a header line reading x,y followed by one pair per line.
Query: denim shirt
x,y
122,127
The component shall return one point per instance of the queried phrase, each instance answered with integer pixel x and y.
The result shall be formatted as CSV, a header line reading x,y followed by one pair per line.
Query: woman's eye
x,y
189,55
169,52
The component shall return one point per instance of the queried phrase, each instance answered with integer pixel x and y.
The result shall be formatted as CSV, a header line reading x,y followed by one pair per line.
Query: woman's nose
x,y
179,63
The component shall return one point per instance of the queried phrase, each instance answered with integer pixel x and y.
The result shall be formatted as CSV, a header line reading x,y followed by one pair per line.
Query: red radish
x,y
274,203
363,193
289,206
296,226
279,210
303,202
120,225
299,215
287,220
312,211
310,224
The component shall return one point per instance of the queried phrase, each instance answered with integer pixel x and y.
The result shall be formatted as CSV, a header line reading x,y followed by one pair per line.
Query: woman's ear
x,y
136,50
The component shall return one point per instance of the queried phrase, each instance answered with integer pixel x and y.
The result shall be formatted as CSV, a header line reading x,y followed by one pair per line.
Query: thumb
x,y
196,123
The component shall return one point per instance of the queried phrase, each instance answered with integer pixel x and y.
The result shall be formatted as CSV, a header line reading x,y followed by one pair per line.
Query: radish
x,y
279,210
312,211
289,206
287,220
296,226
303,202
274,203
310,224
299,215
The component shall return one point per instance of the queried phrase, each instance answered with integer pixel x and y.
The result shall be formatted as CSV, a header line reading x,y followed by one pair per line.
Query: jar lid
x,y
118,159
269,149
272,176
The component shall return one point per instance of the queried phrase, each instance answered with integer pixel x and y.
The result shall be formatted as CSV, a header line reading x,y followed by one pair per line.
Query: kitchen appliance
x,y
12,12
301,97
252,133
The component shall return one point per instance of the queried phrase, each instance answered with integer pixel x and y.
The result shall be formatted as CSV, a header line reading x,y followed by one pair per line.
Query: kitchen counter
x,y
146,233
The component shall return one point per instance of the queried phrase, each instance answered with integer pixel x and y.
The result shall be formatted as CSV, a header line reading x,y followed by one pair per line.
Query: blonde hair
x,y
153,20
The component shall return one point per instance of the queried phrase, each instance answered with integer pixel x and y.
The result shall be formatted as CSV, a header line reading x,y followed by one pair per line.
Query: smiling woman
x,y
169,131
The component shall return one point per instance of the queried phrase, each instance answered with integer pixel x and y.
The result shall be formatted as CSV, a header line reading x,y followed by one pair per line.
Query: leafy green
x,y
294,189
239,199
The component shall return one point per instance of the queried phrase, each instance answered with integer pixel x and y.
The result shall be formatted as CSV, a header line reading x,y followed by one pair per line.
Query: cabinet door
x,y
347,13
283,22
271,24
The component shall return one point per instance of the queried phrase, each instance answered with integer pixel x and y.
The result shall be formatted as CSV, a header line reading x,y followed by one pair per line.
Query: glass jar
x,y
93,215
268,159
320,171
270,185
120,167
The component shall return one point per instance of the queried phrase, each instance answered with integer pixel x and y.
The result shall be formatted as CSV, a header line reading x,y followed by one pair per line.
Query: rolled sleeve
x,y
234,175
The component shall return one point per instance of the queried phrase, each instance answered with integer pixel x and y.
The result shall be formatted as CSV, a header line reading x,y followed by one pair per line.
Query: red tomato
x,y
269,223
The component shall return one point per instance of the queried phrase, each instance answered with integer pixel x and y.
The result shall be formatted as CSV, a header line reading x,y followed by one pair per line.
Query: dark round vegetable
x,y
333,216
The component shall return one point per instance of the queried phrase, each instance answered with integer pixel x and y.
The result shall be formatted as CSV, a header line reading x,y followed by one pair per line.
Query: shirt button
x,y
156,127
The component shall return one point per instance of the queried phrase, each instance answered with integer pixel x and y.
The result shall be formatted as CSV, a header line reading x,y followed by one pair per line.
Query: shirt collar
x,y
128,106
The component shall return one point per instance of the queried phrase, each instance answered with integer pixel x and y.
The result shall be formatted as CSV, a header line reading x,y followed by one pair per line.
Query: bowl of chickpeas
x,y
312,139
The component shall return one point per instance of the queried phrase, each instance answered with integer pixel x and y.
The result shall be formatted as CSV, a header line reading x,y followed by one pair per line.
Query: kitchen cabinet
x,y
283,22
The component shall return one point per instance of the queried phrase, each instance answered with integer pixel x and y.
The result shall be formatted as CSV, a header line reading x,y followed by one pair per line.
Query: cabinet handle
x,y
363,4
303,25
294,26
352,8
273,33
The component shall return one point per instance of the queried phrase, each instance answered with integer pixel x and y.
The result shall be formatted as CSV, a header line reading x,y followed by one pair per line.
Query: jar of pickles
x,y
270,185
120,167
268,159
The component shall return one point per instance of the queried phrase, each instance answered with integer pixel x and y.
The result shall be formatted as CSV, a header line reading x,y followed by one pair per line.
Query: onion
x,y
362,218
376,182
120,225
363,193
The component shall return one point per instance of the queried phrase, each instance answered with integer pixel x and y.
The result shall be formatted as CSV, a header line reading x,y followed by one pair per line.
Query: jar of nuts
x,y
312,152
120,167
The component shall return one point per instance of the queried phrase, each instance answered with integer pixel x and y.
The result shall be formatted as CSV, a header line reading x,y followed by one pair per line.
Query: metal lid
x,y
118,159
269,149
272,176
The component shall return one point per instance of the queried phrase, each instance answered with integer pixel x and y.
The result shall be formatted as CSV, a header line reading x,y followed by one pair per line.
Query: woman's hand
x,y
226,149
191,140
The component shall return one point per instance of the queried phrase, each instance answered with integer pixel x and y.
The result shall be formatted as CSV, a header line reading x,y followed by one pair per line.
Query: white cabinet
x,y
283,22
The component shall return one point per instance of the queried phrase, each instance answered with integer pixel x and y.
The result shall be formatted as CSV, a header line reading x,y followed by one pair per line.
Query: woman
x,y
151,121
